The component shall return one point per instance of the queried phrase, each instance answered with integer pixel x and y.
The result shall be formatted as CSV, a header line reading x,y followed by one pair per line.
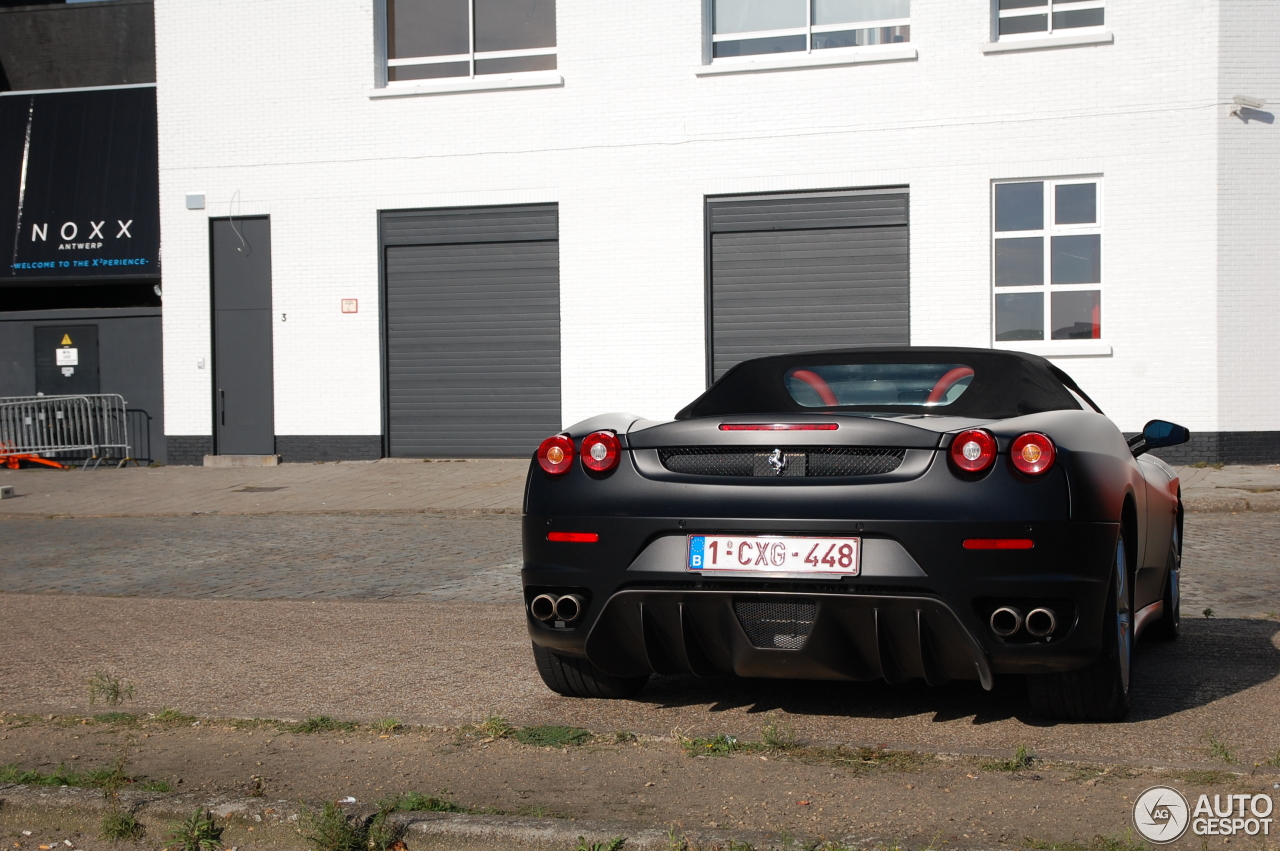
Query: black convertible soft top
x,y
1005,384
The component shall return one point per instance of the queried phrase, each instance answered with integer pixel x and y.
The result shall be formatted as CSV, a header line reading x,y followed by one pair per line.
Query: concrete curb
x,y
1229,504
278,821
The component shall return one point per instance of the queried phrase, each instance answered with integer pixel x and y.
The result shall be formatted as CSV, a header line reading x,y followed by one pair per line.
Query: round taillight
x,y
601,451
1032,453
556,454
974,450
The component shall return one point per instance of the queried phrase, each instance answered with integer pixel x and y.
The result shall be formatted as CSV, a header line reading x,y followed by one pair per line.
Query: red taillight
x,y
556,454
974,450
1032,453
778,426
999,544
601,451
573,537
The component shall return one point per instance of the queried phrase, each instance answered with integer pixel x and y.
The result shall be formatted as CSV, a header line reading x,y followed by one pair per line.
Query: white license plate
x,y
774,554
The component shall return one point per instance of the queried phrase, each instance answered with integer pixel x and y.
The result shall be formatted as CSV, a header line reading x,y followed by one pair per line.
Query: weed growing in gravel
x,y
172,716
331,830
1208,613
119,825
495,726
387,725
552,735
1219,749
778,735
1206,778
197,832
718,745
863,759
110,689
608,845
1022,758
98,778
1274,762
116,718
624,737
319,724
416,802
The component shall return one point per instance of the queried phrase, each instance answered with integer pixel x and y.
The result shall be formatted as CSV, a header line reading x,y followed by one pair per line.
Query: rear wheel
x,y
1099,692
1166,629
575,677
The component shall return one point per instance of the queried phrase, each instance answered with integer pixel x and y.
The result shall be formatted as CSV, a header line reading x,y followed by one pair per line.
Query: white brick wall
x,y
267,104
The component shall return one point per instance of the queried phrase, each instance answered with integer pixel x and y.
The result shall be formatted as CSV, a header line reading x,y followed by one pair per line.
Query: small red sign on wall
x,y
350,305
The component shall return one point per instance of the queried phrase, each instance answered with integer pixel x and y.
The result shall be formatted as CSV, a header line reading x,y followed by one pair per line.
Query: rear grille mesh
x,y
790,461
777,625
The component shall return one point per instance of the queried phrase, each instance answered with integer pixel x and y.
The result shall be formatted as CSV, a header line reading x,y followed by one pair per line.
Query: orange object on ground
x,y
11,461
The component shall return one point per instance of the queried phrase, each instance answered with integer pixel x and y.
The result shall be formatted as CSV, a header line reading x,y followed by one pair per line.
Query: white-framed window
x,y
755,27
1046,259
448,39
1038,18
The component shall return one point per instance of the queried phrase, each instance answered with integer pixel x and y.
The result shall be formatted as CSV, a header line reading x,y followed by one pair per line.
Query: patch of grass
x,y
1210,777
1022,758
319,724
552,735
1220,750
495,726
108,779
116,718
416,802
331,830
608,845
1208,613
872,758
387,725
172,716
197,832
778,735
1274,762
119,825
717,745
624,737
108,688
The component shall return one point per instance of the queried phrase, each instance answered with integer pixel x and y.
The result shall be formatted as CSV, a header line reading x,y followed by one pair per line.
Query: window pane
x,y
863,37
1024,24
1077,316
1077,18
399,74
1020,262
1076,259
1075,203
1022,4
427,28
1019,316
741,16
515,24
1019,206
755,46
515,66
853,11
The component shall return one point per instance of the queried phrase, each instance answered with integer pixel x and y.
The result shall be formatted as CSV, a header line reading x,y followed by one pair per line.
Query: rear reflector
x,y
999,544
573,537
778,426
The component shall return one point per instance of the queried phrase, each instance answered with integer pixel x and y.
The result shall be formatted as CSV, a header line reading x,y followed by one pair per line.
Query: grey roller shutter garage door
x,y
472,313
800,272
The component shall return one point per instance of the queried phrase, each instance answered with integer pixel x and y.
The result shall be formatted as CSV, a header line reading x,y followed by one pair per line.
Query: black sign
x,y
79,186
66,359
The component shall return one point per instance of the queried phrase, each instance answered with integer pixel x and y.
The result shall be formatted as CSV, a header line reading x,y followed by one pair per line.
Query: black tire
x,y
1099,692
574,677
1170,623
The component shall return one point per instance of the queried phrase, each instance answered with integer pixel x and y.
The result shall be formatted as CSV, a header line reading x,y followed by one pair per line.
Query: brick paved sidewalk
x,y
389,485
411,485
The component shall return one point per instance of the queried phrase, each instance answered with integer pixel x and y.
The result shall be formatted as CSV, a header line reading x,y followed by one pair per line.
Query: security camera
x,y
1249,103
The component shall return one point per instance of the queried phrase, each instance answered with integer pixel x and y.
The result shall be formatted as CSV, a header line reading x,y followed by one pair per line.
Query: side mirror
x,y
1158,433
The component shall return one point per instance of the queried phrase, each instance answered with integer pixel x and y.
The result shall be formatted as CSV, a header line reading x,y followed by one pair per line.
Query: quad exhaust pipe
x,y
1041,622
567,607
1006,621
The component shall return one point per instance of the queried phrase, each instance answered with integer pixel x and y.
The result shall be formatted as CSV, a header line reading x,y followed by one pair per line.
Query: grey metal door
x,y
472,331
795,273
66,359
244,399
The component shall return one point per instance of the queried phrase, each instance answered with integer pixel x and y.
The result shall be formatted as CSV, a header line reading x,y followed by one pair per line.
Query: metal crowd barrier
x,y
48,426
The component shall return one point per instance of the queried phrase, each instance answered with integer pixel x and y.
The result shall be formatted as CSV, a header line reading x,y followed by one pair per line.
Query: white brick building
x,y
282,109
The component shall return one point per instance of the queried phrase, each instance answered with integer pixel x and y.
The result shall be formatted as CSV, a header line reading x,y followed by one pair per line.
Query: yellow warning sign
x,y
66,339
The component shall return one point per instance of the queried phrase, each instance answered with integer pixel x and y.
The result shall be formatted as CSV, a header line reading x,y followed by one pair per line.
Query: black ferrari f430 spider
x,y
896,513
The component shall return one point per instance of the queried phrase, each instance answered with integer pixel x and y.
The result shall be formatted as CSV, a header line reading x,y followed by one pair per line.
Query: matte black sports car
x,y
948,514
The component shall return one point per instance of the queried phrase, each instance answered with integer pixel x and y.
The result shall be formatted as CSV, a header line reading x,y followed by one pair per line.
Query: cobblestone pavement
x,y
1231,564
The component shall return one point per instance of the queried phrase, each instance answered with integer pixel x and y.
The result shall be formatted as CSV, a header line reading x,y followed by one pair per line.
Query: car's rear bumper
x,y
919,609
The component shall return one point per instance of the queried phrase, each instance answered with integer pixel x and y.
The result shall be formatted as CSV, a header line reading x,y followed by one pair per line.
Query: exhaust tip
x,y
1041,622
570,607
543,607
1005,621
